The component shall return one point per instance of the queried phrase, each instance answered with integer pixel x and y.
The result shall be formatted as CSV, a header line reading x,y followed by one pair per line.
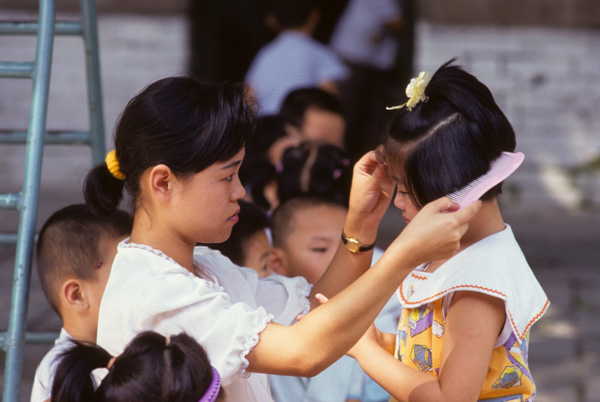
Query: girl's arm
x,y
327,332
473,325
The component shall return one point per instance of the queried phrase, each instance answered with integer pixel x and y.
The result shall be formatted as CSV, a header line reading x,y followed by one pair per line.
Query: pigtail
x,y
73,381
102,190
187,359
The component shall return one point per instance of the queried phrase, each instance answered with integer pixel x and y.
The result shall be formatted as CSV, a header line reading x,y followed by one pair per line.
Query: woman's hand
x,y
434,233
372,190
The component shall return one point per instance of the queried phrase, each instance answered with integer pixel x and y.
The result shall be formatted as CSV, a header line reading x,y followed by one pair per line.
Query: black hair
x,y
310,168
147,370
177,121
68,243
253,218
292,13
450,139
283,218
298,101
257,170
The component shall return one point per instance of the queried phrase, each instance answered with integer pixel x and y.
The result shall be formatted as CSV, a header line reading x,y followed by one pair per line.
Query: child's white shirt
x,y
494,266
44,374
147,290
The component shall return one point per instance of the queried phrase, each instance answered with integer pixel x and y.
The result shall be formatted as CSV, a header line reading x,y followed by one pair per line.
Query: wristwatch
x,y
354,245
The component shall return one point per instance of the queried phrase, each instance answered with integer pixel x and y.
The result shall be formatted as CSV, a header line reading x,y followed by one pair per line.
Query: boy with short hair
x,y
75,251
306,234
314,114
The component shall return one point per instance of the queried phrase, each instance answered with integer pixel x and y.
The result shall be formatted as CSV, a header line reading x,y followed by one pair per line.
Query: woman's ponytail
x,y
102,190
72,380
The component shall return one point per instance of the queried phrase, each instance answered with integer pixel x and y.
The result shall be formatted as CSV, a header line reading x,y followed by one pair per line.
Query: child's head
x,y
151,368
448,139
293,14
248,245
75,251
178,122
306,234
315,115
316,169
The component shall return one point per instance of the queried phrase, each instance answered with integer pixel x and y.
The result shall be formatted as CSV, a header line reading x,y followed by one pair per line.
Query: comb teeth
x,y
500,169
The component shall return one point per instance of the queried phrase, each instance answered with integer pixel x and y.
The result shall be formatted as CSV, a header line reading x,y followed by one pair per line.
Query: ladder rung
x,y
17,69
8,238
50,137
30,337
10,201
31,28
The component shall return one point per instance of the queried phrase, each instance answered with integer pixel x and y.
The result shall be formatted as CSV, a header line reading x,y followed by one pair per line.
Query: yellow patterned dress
x,y
494,266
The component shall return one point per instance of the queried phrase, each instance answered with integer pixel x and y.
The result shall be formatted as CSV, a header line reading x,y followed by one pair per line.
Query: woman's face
x,y
207,202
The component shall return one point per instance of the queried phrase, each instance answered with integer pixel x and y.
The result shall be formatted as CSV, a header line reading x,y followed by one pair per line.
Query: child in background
x,y
293,59
316,169
152,368
178,148
248,245
464,331
75,251
305,238
314,114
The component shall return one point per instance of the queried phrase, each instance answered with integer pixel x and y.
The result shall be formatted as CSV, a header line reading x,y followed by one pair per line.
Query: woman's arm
x,y
327,332
473,325
372,190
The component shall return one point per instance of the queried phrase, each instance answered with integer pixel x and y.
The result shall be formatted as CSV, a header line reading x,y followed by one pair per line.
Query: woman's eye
x,y
229,178
319,249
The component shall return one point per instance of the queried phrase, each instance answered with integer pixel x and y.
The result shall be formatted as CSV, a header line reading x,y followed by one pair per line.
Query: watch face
x,y
353,245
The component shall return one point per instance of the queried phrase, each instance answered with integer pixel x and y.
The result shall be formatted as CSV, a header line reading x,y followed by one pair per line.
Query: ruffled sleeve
x,y
281,296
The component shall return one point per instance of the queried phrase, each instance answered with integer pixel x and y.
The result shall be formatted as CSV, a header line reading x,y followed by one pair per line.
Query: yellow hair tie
x,y
113,165
415,91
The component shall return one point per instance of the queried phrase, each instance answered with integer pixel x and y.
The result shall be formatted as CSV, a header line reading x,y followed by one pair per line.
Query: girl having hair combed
x,y
464,330
178,149
152,368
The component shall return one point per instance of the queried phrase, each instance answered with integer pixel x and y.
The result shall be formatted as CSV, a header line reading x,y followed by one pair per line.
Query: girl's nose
x,y
399,200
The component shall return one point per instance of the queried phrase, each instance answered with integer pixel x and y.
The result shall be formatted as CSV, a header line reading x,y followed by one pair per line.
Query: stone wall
x,y
564,13
556,13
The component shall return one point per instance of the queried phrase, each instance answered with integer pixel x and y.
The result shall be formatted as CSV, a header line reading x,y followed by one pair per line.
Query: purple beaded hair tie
x,y
214,388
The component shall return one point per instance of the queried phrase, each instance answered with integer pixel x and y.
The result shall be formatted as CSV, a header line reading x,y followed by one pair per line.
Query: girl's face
x,y
404,201
207,202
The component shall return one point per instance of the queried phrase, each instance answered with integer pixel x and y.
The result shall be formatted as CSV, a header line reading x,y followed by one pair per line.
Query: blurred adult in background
x,y
367,38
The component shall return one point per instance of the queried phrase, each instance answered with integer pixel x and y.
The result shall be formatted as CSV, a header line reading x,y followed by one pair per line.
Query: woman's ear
x,y
74,295
160,182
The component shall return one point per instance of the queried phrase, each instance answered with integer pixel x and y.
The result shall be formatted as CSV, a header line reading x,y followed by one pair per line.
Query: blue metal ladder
x,y
26,201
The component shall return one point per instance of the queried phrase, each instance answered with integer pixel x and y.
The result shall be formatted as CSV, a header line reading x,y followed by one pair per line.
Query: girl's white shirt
x,y
494,266
148,290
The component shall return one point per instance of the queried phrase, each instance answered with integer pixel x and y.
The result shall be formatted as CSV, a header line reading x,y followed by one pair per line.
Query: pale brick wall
x,y
547,81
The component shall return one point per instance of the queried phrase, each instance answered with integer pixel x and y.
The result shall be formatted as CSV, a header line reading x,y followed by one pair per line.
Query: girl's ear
x,y
160,181
277,261
74,295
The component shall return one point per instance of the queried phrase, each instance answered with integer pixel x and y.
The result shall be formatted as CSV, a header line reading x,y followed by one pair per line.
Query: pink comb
x,y
500,169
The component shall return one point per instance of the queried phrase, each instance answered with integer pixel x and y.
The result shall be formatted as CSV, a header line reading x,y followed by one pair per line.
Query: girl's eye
x,y
319,249
229,178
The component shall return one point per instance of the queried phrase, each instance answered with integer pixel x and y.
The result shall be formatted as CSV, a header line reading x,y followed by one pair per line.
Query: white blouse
x,y
148,290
